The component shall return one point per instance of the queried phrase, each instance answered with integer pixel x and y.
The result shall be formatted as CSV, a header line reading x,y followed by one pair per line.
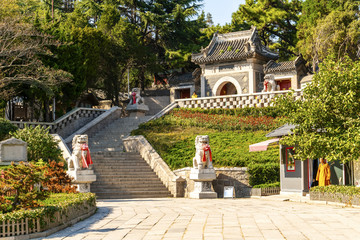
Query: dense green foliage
x,y
19,187
240,112
5,128
328,27
40,144
175,142
346,190
261,173
327,119
275,20
267,185
55,202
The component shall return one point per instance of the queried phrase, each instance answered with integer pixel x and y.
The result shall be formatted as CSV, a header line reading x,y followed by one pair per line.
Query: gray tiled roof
x,y
282,131
233,46
280,66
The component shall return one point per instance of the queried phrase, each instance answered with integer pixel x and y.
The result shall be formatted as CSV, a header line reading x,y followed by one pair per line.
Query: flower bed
x,y
348,195
58,210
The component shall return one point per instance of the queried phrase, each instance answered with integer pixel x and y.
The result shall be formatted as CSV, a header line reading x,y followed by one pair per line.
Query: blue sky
x,y
221,10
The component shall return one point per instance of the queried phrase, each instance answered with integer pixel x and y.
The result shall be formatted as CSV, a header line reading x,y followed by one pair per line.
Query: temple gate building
x,y
236,62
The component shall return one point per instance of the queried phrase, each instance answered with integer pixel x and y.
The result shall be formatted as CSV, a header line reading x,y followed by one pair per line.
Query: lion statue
x,y
135,97
203,158
269,83
80,158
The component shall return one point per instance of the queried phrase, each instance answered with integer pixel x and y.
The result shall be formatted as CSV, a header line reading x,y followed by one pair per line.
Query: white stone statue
x,y
136,106
203,158
135,97
80,158
269,83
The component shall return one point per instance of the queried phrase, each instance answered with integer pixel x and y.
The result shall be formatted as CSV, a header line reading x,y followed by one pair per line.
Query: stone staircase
x,y
125,175
110,138
122,174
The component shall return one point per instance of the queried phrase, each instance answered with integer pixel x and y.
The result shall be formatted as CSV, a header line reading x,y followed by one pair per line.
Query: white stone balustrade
x,y
67,124
235,101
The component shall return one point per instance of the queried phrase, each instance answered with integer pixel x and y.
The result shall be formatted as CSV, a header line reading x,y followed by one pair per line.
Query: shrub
x,y
55,202
241,112
222,122
267,185
57,180
5,128
21,180
41,145
263,173
346,190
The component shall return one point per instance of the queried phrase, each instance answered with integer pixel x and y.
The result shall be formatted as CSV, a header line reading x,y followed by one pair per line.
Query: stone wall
x,y
236,177
156,103
241,78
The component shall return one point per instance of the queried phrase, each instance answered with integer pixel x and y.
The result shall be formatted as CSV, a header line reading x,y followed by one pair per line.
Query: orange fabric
x,y
86,161
323,174
206,148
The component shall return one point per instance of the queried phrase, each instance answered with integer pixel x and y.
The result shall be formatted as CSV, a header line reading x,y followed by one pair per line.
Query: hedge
x,y
346,190
56,202
263,173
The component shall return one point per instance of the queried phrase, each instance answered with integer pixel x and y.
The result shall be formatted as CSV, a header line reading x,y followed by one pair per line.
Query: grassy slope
x,y
176,145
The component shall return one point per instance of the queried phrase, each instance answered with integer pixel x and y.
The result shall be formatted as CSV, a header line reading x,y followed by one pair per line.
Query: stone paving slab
x,y
176,218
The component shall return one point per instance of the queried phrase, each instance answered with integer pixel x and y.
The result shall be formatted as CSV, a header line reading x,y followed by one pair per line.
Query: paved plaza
x,y
249,218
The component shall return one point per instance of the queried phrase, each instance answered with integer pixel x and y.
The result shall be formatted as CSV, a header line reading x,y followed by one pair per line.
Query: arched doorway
x,y
226,86
228,89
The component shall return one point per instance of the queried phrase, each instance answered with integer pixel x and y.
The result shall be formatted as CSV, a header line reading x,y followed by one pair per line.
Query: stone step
x,y
106,180
124,172
123,169
109,150
129,181
119,159
133,194
109,163
128,188
117,153
140,183
115,177
127,165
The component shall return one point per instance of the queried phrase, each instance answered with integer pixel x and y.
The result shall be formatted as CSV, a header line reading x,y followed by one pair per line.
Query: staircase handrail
x,y
59,121
91,124
164,111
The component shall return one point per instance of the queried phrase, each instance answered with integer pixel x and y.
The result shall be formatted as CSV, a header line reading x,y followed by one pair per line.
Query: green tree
x,y
21,181
328,27
327,119
275,20
5,128
40,144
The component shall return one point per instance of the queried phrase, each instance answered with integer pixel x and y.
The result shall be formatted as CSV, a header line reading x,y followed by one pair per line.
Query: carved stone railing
x,y
97,124
235,101
67,124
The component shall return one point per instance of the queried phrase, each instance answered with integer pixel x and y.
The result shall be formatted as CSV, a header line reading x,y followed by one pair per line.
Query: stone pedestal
x,y
82,179
137,110
203,183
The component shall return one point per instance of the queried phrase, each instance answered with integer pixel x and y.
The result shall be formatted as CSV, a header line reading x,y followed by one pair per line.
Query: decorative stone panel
x,y
12,150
